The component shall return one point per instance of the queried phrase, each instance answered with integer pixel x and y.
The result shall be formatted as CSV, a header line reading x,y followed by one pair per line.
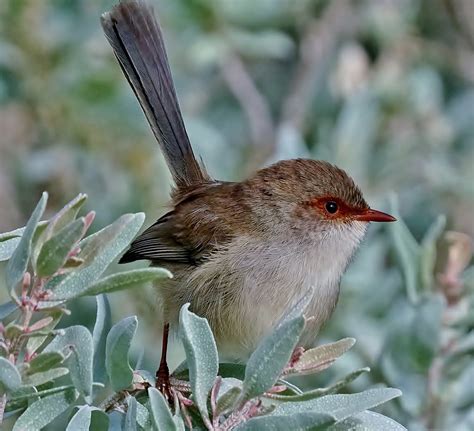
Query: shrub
x,y
86,379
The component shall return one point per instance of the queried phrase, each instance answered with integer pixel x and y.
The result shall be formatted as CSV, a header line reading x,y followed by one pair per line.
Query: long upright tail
x,y
135,36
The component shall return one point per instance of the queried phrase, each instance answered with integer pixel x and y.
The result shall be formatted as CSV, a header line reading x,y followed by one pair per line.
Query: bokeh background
x,y
383,88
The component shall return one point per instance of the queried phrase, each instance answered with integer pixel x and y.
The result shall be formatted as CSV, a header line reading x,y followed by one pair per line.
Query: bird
x,y
241,253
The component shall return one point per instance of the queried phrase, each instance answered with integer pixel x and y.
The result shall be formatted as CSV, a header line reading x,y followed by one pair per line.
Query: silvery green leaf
x,y
10,379
103,323
98,251
408,252
131,416
143,417
99,420
39,378
18,263
428,252
65,216
321,357
55,250
367,421
17,233
45,361
81,420
76,342
160,412
267,362
7,248
201,355
7,309
319,392
34,343
340,406
313,421
117,349
45,410
21,398
227,399
126,280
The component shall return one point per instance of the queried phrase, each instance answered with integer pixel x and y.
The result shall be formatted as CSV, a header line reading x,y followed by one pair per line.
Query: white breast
x,y
257,281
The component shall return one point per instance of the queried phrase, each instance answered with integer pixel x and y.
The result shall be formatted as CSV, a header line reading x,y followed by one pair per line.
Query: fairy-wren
x,y
241,252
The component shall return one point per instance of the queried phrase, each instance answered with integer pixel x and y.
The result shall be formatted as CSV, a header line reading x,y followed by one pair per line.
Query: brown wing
x,y
187,234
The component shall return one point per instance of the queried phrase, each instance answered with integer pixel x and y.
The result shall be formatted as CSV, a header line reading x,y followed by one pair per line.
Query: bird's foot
x,y
163,382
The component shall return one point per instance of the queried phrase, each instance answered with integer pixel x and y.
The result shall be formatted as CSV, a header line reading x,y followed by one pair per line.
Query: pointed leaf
x,y
45,361
45,410
126,280
368,421
81,420
340,406
143,417
98,251
55,250
8,247
297,422
131,416
66,215
77,341
40,378
10,379
267,362
408,252
201,355
102,326
321,357
160,412
117,349
18,263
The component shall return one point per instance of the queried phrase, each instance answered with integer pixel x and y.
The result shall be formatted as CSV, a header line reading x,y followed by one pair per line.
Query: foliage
x,y
383,89
48,375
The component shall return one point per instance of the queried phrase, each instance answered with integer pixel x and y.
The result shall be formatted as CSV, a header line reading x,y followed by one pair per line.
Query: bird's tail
x,y
135,36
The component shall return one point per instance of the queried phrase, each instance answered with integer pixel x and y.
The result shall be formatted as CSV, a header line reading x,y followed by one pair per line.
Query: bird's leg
x,y
163,373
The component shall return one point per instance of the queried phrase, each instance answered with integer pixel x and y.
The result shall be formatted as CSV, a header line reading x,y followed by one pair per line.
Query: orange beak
x,y
374,215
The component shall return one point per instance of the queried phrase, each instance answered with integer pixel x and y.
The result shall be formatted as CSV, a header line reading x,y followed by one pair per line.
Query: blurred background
x,y
382,88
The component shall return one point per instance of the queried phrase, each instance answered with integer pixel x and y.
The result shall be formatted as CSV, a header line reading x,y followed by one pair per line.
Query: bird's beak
x,y
374,215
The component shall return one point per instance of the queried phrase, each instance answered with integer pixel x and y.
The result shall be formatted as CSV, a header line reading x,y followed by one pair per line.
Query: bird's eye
x,y
331,207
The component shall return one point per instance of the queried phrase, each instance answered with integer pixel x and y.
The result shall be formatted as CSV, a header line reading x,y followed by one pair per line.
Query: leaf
x,y
7,309
131,416
40,378
117,349
267,362
35,343
428,252
45,410
321,357
77,341
367,421
143,417
201,355
45,361
55,250
160,412
227,400
8,247
103,323
340,406
126,280
319,392
81,420
18,263
17,233
296,422
408,252
98,251
298,308
65,216
10,379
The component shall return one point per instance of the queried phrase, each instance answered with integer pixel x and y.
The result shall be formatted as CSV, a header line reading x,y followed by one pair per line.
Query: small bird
x,y
241,252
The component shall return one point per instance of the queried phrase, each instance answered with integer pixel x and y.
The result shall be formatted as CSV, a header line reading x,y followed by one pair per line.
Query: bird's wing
x,y
187,234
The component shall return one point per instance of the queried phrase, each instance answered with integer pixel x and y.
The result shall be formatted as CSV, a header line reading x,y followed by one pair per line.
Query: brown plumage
x,y
241,253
